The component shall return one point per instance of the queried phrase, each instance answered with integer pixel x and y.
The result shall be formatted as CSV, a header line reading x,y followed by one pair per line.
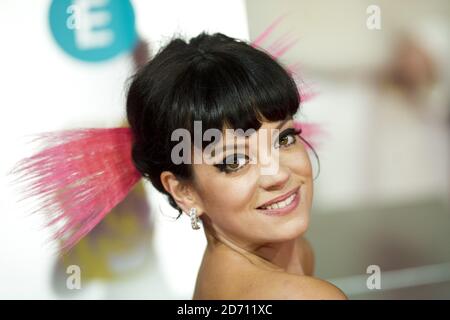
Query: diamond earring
x,y
194,219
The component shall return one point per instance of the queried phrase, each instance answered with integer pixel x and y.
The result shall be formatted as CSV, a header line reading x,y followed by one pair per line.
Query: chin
x,y
295,228
289,229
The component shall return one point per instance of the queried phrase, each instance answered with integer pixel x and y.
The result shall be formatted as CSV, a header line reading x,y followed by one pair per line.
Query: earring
x,y
194,219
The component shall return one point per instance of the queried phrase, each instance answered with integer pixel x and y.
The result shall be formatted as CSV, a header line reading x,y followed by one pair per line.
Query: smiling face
x,y
232,194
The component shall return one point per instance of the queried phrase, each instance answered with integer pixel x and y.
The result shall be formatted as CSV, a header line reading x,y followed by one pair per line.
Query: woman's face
x,y
232,194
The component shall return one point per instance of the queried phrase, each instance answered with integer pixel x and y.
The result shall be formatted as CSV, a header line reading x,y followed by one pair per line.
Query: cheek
x,y
225,197
298,162
300,167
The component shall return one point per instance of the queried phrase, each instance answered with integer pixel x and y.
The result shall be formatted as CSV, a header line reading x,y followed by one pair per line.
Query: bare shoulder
x,y
227,275
278,285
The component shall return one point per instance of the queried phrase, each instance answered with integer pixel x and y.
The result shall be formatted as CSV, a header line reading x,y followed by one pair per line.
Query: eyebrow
x,y
228,147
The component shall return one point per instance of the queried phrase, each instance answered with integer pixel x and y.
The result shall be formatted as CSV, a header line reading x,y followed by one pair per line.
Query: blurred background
x,y
380,75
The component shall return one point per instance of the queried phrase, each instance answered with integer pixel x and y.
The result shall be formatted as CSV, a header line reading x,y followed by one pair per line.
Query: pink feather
x,y
278,48
263,36
311,132
78,178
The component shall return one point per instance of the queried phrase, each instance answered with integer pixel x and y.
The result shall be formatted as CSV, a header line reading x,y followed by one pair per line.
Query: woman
x,y
253,221
253,199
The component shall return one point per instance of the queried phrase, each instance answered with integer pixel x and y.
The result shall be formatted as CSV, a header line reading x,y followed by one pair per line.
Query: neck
x,y
280,256
283,254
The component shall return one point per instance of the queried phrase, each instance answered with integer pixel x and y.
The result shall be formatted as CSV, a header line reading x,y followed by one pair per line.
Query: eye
x,y
233,163
287,137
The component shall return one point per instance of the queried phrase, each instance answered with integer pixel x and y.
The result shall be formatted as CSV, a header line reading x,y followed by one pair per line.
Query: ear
x,y
182,192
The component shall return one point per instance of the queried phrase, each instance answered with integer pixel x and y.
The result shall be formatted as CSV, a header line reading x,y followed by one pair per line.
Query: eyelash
x,y
291,132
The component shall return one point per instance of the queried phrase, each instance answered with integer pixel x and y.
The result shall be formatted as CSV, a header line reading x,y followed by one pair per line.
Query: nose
x,y
275,181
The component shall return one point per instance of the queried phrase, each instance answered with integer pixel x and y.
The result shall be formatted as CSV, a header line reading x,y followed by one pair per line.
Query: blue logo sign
x,y
93,30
